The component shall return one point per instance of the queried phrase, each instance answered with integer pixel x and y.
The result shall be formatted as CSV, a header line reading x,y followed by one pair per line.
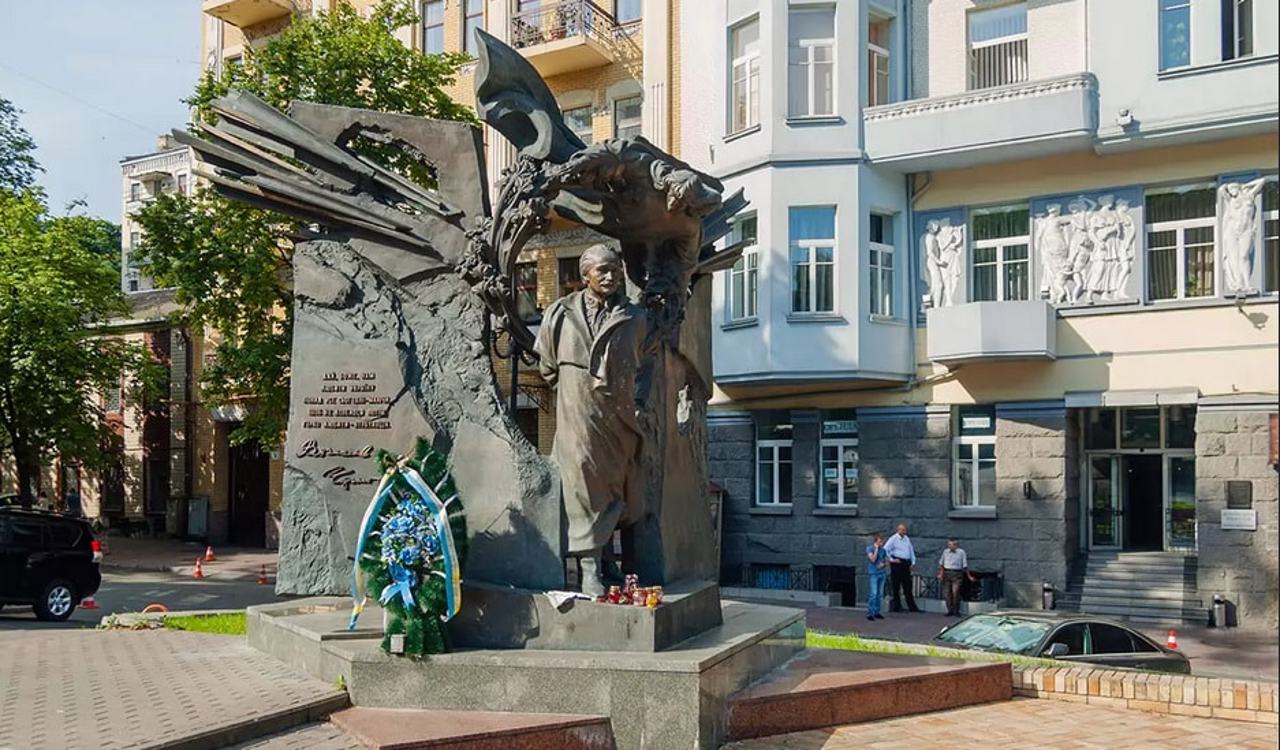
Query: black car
x,y
1065,636
48,561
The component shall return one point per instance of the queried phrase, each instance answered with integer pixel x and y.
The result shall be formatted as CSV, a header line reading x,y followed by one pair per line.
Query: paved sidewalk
x,y
176,556
318,736
1246,655
1024,723
112,690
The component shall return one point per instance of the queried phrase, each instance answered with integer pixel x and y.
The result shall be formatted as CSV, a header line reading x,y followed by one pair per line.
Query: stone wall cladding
x,y
905,476
1182,695
1241,565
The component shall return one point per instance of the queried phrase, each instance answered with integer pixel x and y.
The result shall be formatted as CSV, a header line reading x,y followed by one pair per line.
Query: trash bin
x,y
1047,595
1219,611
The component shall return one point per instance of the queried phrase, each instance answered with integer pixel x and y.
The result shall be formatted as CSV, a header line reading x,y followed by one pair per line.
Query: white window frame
x,y
876,54
589,137
744,274
1180,227
811,246
973,47
1160,11
1236,7
135,191
637,122
810,65
426,25
1001,244
775,462
840,444
749,65
883,305
975,464
1272,215
617,16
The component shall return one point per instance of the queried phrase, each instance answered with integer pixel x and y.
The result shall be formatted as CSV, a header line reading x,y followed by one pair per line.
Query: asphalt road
x,y
130,591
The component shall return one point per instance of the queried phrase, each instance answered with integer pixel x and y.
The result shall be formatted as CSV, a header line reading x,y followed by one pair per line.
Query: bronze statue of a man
x,y
590,345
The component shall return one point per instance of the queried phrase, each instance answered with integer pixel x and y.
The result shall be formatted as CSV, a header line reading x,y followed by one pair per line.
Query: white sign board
x,y
1239,520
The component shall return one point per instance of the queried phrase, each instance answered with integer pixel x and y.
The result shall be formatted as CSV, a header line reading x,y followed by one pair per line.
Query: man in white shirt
x,y
902,555
953,568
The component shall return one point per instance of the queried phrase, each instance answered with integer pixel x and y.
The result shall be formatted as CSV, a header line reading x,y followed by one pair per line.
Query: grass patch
x,y
235,623
817,639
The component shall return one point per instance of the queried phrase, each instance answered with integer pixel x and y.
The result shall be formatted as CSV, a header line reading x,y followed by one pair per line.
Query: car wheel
x,y
56,602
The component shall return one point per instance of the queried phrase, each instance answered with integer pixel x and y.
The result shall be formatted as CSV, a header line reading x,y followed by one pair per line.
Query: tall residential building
x,y
1011,277
143,177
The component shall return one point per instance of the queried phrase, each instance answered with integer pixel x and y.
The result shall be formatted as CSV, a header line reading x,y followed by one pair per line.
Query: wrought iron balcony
x,y
245,13
566,36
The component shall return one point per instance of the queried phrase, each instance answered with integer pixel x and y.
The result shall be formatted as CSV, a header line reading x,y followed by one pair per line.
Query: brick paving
x,y
317,736
119,689
1024,723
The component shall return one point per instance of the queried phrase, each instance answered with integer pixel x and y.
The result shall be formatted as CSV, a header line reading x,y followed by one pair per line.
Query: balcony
x,y
985,331
564,37
245,13
1014,121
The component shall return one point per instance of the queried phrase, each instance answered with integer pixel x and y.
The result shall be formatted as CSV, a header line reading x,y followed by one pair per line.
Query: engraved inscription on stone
x,y
346,402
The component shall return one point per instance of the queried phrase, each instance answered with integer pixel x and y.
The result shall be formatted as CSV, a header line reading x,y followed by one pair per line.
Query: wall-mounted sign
x,y
976,423
840,427
830,473
1239,520
1239,494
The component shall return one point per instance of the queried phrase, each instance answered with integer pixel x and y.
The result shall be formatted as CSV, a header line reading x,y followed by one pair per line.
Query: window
x,y
773,460
526,289
1180,242
975,457
568,276
527,423
182,184
744,277
1071,636
813,249
1271,235
134,239
473,18
433,26
1237,29
997,46
112,399
1175,33
1141,427
626,117
578,120
135,191
626,11
1001,264
744,67
881,265
1109,639
811,62
838,458
878,63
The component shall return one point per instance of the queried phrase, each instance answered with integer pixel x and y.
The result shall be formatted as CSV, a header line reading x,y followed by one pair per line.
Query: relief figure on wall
x,y
1237,205
1087,256
943,248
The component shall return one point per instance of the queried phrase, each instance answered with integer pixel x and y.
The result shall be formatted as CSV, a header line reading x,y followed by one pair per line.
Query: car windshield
x,y
996,633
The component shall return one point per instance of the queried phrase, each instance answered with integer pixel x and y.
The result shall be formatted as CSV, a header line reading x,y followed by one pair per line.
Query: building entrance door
x,y
248,501
1105,509
1143,498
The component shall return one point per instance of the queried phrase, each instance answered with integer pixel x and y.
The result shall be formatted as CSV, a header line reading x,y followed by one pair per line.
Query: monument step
x,y
822,688
410,729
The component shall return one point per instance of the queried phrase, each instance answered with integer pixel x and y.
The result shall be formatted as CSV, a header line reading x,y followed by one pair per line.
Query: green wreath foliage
x,y
424,629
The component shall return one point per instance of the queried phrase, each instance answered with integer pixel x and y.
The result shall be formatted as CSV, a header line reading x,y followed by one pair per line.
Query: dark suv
x,y
48,561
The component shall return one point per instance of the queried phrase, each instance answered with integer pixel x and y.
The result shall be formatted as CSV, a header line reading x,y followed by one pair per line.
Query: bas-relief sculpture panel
x,y
943,241
1239,231
1087,247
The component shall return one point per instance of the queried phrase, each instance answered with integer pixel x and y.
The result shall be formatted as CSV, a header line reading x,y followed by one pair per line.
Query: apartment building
x,y
1013,281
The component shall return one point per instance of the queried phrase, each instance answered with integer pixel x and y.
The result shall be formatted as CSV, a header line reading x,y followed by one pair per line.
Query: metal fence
x,y
562,20
989,587
998,63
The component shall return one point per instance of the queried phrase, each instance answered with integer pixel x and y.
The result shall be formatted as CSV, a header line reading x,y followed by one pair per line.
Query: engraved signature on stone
x,y
313,449
346,478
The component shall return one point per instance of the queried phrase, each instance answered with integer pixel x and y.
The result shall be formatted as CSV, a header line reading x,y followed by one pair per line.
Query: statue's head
x,y
1122,204
1232,188
1054,209
1106,200
932,227
601,268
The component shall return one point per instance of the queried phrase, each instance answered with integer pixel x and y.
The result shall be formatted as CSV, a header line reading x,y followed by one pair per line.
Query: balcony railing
x,y
998,63
563,20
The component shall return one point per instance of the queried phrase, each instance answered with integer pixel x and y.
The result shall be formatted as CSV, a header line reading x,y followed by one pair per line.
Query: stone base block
x,y
673,699
408,729
503,617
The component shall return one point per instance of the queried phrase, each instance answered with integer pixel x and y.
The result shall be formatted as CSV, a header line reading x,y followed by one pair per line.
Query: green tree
x,y
18,167
229,263
98,236
56,362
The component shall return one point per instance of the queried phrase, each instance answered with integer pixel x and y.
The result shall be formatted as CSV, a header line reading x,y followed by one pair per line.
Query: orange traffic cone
x,y
88,603
208,554
1172,642
262,576
199,571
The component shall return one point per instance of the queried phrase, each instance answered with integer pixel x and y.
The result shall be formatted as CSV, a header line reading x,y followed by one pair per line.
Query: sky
x,y
97,80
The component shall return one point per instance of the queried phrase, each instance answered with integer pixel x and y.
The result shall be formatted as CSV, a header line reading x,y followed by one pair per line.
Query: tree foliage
x,y
18,166
230,263
56,293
